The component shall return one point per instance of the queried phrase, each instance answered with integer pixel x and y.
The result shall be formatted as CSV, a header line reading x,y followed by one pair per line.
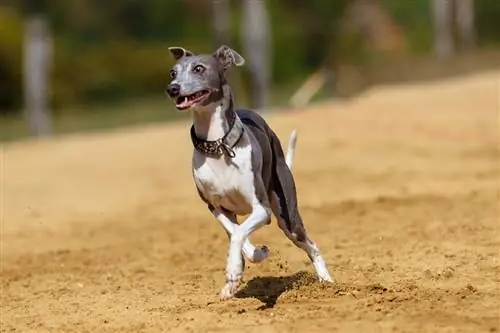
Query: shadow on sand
x,y
268,289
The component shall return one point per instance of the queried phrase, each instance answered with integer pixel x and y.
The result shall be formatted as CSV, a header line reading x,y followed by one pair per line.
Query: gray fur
x,y
213,77
275,174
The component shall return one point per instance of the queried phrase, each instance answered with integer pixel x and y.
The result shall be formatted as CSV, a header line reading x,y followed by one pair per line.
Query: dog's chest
x,y
226,183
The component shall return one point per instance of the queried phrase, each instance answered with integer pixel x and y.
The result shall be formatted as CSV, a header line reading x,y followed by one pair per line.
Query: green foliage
x,y
10,59
109,71
415,20
106,51
488,21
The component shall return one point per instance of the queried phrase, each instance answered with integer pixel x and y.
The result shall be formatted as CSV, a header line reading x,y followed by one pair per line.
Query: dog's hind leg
x,y
283,197
295,231
229,222
300,238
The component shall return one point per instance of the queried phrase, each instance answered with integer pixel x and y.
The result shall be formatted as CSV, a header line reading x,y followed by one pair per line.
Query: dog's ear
x,y
228,57
179,52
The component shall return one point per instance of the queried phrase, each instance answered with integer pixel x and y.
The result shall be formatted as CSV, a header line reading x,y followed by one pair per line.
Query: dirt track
x,y
105,233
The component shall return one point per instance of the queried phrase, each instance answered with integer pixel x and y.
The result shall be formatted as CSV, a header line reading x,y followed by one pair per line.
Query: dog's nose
x,y
173,89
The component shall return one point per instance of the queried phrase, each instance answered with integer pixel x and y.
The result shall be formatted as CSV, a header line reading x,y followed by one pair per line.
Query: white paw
x,y
322,270
228,291
326,278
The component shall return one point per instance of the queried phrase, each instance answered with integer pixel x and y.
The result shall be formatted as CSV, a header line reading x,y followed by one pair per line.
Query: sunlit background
x,y
73,65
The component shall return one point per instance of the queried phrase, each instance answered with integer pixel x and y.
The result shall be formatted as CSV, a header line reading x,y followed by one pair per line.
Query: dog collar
x,y
224,145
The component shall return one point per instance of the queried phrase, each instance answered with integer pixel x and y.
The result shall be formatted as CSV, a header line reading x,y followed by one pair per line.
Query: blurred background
x,y
84,65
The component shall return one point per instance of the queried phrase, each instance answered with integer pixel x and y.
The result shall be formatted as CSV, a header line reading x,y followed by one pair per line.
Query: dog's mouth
x,y
185,102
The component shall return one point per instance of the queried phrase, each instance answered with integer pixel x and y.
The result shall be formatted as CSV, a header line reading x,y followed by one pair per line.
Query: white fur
x,y
253,254
209,122
259,217
230,184
227,185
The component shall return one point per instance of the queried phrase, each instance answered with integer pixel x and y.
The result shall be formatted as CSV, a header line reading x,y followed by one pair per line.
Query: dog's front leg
x,y
259,217
228,222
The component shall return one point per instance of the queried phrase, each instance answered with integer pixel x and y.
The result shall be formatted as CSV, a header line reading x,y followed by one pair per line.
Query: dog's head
x,y
196,81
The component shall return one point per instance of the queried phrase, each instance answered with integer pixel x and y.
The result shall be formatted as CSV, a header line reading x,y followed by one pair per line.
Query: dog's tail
x,y
291,149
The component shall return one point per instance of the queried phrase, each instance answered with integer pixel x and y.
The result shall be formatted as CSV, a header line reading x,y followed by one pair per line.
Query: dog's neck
x,y
212,122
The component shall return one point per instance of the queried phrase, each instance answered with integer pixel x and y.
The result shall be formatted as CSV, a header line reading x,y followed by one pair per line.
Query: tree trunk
x,y
464,16
37,54
220,17
256,50
443,23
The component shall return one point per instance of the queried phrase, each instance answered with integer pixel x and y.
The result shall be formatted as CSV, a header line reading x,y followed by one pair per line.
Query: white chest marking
x,y
228,184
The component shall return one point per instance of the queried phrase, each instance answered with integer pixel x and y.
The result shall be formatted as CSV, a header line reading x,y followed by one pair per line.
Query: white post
x,y
37,54
465,23
256,50
220,20
442,11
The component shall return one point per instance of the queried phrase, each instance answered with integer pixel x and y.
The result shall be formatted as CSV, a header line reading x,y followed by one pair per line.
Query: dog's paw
x,y
260,254
324,276
322,270
326,279
228,291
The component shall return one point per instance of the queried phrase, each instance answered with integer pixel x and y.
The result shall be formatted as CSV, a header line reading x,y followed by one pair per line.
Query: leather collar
x,y
224,145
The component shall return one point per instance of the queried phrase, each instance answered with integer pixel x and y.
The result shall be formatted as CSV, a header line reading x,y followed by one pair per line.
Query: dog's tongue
x,y
185,103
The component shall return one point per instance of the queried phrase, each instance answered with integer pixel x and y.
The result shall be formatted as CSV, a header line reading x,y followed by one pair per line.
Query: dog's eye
x,y
173,74
198,69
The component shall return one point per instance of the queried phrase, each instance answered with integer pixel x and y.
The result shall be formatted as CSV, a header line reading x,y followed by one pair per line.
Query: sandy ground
x,y
399,187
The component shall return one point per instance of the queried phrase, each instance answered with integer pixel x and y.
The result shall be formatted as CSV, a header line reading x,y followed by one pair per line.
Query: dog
x,y
238,163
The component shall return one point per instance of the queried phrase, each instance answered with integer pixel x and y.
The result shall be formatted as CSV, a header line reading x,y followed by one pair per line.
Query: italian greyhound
x,y
238,164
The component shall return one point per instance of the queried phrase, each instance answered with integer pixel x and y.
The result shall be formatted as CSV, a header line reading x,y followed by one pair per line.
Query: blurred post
x,y
256,50
443,24
37,53
220,17
464,14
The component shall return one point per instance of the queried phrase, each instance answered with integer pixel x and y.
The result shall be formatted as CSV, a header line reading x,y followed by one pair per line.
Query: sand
x,y
399,188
